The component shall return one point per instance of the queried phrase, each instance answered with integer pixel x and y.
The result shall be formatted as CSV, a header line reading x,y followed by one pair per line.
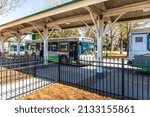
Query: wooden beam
x,y
94,10
126,8
38,23
69,19
30,28
89,27
11,31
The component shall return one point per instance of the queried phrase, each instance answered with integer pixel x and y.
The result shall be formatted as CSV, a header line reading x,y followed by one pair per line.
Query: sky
x,y
29,7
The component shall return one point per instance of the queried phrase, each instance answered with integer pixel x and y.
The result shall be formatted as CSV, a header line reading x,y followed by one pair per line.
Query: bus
x,y
13,49
68,49
139,51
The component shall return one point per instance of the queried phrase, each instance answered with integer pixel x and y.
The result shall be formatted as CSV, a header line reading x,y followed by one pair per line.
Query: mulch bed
x,y
63,92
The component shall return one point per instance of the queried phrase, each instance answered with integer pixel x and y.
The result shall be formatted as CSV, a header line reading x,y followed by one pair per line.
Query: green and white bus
x,y
69,49
13,49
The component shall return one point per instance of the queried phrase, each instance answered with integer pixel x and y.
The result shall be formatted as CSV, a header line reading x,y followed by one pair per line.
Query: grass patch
x,y
114,55
63,92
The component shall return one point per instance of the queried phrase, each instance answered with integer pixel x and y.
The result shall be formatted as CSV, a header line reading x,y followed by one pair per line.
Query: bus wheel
x,y
63,59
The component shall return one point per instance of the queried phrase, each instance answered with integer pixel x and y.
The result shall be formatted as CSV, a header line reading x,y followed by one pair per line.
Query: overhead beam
x,y
37,23
11,31
30,28
89,27
112,24
56,25
126,8
95,10
69,19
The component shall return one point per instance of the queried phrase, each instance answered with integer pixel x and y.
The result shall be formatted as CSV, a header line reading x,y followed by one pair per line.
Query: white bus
x,y
13,49
69,49
139,42
139,51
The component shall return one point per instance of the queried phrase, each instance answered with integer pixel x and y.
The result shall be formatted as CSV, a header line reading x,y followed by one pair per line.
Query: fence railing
x,y
119,79
20,76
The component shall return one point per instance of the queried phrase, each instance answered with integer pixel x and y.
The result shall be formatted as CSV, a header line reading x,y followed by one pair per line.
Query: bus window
x,y
38,46
49,46
91,46
13,48
148,42
21,48
63,47
87,48
54,46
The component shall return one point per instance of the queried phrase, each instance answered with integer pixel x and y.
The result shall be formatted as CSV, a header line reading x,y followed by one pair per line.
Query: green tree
x,y
124,34
65,33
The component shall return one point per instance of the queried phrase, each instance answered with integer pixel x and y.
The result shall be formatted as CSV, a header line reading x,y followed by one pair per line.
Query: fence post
x,y
58,68
123,79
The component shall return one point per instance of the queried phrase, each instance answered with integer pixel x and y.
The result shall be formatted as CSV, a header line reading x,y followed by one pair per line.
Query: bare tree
x,y
9,5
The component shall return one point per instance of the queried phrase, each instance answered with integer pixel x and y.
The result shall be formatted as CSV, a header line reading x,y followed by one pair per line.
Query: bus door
x,y
73,51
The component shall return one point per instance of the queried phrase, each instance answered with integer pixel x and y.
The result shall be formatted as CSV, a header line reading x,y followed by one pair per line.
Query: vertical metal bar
x,y
6,78
118,62
59,80
128,81
10,75
114,77
137,85
27,76
107,67
103,89
148,77
1,80
123,78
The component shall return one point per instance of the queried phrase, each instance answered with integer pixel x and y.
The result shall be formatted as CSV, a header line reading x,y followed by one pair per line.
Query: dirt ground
x,y
63,92
10,76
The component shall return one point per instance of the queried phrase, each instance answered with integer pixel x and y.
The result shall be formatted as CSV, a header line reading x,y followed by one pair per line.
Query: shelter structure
x,y
78,13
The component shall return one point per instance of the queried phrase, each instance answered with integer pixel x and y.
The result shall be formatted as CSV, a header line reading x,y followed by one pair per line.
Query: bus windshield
x,y
22,48
14,48
87,48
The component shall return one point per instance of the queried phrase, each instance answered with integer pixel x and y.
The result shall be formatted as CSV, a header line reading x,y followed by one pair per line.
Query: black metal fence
x,y
119,79
20,76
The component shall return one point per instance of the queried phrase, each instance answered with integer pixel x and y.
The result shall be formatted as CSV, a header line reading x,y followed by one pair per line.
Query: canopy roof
x,y
75,14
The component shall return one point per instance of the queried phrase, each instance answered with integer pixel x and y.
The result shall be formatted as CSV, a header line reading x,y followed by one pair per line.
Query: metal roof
x,y
141,30
74,13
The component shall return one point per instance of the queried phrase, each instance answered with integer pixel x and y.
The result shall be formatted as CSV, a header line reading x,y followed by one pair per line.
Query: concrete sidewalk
x,y
24,87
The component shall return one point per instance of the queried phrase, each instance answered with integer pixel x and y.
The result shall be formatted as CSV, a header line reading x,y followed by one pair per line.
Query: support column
x,y
98,22
45,37
18,48
2,48
3,39
100,47
18,39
